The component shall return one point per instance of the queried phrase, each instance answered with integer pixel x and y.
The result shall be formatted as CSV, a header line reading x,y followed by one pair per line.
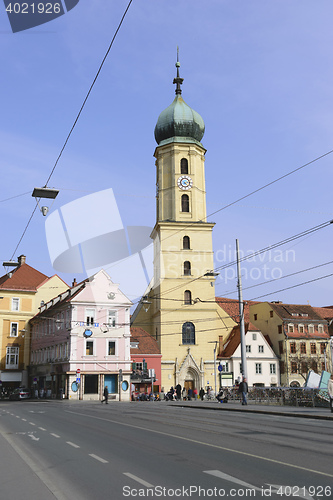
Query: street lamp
x,y
10,263
44,192
211,274
146,303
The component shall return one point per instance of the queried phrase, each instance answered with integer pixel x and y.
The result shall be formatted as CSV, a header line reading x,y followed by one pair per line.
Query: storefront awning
x,y
11,376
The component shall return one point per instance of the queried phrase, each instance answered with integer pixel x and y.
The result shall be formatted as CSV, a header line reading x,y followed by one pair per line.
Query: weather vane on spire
x,y
178,81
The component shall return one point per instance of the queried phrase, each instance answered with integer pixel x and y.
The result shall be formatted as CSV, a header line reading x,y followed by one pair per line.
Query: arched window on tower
x,y
186,243
187,297
185,203
187,268
183,166
188,333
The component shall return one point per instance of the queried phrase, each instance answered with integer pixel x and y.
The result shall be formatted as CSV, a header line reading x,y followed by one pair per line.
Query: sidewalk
x,y
252,407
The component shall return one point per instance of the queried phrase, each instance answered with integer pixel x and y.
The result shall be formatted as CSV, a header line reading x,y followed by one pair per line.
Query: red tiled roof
x,y
233,340
231,307
147,344
295,311
324,312
24,278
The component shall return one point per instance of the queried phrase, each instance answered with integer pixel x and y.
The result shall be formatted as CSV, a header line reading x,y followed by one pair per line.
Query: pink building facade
x,y
80,342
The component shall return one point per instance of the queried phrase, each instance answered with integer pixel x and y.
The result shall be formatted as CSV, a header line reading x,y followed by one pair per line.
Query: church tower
x,y
183,315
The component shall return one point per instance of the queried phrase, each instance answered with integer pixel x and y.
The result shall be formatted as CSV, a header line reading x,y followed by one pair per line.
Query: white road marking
x,y
54,488
73,444
55,435
98,458
17,416
34,438
232,479
210,445
138,479
31,423
42,428
24,419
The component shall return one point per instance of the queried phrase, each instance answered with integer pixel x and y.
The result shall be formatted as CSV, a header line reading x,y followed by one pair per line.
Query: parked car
x,y
20,393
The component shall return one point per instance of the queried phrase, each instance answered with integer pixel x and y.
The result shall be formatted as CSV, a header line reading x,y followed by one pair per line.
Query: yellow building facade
x,y
183,316
22,292
299,337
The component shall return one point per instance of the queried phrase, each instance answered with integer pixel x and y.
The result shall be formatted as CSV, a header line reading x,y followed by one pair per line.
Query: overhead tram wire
x,y
252,192
294,286
89,91
280,243
280,278
77,117
254,254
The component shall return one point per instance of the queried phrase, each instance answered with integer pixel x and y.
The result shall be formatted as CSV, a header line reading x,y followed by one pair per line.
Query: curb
x,y
263,412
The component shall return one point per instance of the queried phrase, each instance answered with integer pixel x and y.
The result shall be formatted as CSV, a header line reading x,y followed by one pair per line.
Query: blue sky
x,y
258,71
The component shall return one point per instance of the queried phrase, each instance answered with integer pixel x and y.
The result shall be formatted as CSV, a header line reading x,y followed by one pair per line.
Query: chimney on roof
x,y
74,282
21,260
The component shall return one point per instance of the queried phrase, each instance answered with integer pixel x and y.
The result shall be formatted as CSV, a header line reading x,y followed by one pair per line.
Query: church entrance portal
x,y
189,384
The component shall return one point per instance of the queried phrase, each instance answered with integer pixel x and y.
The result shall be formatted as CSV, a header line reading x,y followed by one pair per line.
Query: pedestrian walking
x,y
184,393
330,392
178,391
243,390
201,393
106,395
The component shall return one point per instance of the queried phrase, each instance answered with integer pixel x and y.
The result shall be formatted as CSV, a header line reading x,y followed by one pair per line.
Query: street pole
x,y
215,368
241,314
214,342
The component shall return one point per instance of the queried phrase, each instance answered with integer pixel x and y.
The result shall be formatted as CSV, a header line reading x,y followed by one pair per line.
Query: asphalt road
x,y
85,450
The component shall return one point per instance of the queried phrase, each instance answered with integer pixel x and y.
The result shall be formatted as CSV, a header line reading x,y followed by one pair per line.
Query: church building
x,y
180,310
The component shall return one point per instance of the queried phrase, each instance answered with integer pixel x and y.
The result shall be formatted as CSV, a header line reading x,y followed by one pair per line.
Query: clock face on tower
x,y
185,182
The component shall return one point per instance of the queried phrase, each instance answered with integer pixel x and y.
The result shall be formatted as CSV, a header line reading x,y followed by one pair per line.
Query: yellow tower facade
x,y
183,315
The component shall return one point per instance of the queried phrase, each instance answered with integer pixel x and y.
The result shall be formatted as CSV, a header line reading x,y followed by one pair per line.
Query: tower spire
x,y
178,81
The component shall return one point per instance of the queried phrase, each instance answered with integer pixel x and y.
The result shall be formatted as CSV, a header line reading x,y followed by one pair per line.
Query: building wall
x,y
67,326
183,363
270,323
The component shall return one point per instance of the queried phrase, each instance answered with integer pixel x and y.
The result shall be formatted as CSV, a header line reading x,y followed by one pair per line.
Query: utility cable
x,y
293,286
251,193
281,278
77,117
275,245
